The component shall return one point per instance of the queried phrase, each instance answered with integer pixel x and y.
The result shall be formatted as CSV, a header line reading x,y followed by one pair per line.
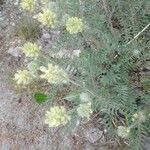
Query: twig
x,y
139,33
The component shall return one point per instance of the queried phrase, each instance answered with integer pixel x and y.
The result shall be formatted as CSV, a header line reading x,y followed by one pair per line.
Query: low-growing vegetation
x,y
107,72
27,28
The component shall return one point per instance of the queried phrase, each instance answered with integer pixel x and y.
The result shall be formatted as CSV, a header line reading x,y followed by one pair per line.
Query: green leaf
x,y
73,97
40,97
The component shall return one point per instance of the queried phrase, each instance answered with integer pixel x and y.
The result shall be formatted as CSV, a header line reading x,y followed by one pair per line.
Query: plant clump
x,y
28,5
108,75
57,116
31,49
84,110
54,74
47,18
27,28
74,25
123,131
23,77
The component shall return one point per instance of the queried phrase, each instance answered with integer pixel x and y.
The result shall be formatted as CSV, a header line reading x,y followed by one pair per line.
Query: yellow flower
x,y
74,25
123,131
47,18
85,97
28,4
23,77
139,116
44,2
84,110
57,116
31,49
54,74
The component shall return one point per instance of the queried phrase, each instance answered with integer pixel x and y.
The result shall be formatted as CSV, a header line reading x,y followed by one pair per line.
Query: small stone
x,y
13,24
5,146
46,36
1,17
88,146
146,143
55,34
3,22
93,134
15,52
66,144
16,3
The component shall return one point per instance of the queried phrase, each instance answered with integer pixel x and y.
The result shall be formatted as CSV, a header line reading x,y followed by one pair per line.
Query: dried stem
x,y
107,10
139,33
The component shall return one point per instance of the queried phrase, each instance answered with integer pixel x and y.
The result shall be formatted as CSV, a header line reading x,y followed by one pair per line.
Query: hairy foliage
x,y
113,67
110,68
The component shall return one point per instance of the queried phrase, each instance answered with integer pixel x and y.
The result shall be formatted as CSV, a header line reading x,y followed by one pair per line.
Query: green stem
x,y
81,86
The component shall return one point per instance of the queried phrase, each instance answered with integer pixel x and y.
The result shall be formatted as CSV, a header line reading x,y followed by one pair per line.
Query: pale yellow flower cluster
x,y
28,5
85,97
123,131
54,74
139,116
47,18
74,25
31,49
57,116
44,2
23,77
84,110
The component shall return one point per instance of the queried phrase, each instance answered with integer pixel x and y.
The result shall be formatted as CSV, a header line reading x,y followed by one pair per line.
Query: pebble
x,y
15,52
93,135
